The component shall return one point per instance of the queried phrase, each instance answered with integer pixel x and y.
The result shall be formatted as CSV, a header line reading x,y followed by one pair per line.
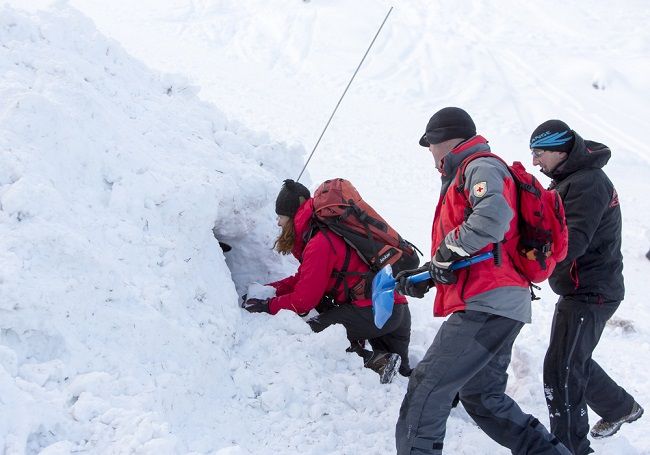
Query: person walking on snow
x,y
589,282
316,285
488,302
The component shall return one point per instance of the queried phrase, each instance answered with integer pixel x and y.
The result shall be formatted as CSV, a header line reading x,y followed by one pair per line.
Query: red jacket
x,y
451,212
323,254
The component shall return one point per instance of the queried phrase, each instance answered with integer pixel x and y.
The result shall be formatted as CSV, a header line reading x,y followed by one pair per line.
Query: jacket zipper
x,y
567,407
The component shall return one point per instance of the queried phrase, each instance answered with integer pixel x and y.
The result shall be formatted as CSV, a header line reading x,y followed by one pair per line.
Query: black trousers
x,y
572,379
359,324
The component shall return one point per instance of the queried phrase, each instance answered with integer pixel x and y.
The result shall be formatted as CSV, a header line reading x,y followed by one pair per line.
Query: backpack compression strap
x,y
460,188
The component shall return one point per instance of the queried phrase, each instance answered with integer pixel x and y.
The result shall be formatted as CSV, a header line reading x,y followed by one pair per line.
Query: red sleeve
x,y
285,285
311,280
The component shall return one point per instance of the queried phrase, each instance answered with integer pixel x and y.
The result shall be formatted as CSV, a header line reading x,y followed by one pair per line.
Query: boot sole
x,y
618,426
391,370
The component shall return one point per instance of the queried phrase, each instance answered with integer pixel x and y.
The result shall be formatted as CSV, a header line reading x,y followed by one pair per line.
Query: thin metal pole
x,y
344,92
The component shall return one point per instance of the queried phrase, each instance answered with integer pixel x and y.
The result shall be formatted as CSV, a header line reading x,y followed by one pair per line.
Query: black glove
x,y
243,299
256,306
326,303
444,257
442,260
442,276
405,287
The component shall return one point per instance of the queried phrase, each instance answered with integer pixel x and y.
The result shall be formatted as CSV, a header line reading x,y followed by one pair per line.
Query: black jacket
x,y
594,263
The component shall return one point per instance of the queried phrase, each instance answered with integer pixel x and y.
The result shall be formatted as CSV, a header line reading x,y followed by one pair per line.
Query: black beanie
x,y
288,199
554,135
448,123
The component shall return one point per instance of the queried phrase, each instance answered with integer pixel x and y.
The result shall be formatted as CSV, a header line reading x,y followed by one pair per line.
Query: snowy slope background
x,y
129,131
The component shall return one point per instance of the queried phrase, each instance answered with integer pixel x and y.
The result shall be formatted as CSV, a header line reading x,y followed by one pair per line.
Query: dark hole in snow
x,y
224,246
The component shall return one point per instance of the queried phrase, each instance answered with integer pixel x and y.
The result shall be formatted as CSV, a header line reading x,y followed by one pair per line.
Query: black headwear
x,y
288,199
554,135
448,123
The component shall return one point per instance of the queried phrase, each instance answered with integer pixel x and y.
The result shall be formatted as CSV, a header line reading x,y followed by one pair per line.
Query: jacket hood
x,y
453,159
583,155
302,225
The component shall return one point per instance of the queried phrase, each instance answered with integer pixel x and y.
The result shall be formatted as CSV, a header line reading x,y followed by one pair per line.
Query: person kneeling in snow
x,y
317,286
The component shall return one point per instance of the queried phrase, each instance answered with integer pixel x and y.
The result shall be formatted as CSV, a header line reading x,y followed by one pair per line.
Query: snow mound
x,y
118,308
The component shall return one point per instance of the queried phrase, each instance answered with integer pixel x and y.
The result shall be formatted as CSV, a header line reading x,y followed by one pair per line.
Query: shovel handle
x,y
419,277
471,260
424,276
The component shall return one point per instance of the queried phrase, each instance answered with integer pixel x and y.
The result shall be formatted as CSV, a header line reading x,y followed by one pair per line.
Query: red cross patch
x,y
480,189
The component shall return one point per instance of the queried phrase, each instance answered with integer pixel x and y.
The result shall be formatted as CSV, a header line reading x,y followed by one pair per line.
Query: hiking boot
x,y
385,364
604,429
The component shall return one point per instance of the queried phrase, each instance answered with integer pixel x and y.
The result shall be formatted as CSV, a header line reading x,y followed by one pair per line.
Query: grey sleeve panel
x,y
491,214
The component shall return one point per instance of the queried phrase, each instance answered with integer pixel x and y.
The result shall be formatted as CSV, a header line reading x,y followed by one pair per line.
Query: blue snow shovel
x,y
383,286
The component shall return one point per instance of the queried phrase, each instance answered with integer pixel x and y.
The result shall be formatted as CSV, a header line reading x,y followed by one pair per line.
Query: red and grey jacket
x,y
474,216
320,258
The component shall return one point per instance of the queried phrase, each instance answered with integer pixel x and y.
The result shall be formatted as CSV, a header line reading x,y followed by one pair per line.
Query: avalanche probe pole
x,y
344,92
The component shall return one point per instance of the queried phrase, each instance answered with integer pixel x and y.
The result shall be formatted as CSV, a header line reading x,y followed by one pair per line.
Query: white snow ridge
x,y
118,315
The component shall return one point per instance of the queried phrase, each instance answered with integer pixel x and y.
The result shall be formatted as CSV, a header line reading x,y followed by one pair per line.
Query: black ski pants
x,y
572,379
359,323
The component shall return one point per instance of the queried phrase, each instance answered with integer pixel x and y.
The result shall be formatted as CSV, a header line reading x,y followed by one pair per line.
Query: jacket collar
x,y
583,155
452,161
301,226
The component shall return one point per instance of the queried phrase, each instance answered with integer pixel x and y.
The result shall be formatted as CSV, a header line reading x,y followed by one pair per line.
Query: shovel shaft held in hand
x,y
460,264
383,286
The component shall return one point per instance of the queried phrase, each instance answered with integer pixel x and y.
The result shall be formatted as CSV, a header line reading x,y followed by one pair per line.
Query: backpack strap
x,y
460,188
362,216
317,226
460,175
340,274
365,220
355,292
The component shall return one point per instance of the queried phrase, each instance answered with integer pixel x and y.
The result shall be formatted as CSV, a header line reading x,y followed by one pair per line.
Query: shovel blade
x,y
383,298
383,286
